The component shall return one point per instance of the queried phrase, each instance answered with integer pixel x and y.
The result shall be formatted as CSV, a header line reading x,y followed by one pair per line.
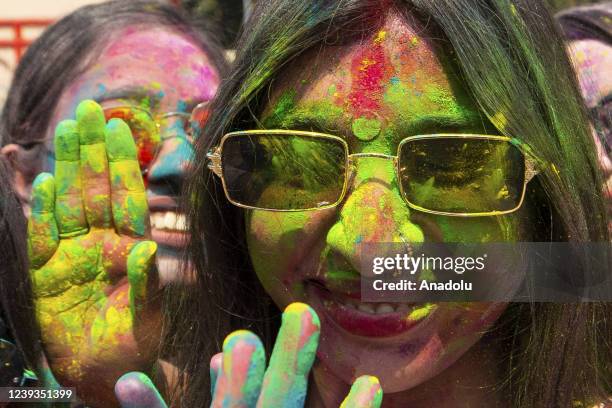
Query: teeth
x,y
384,308
403,308
169,221
366,308
181,222
372,308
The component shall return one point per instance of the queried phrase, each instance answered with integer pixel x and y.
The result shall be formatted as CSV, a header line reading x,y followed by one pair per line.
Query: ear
x,y
20,161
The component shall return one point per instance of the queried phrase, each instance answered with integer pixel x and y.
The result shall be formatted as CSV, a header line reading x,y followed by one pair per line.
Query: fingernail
x,y
43,196
299,318
119,142
136,390
66,141
90,119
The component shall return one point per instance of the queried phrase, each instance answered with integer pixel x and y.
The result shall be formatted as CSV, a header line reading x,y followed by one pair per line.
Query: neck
x,y
472,380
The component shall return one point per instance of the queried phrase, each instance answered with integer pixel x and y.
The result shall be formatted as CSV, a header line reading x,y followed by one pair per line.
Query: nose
x,y
373,212
167,172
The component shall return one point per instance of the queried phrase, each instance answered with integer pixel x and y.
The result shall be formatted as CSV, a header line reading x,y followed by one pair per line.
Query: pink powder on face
x,y
370,70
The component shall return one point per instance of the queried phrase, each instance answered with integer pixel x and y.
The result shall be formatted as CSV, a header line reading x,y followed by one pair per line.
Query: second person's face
x,y
162,71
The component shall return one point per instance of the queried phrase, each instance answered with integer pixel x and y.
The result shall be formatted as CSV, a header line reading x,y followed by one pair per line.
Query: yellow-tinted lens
x,y
462,175
283,171
144,131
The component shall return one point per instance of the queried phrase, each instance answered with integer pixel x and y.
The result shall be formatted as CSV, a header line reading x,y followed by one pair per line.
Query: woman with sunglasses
x,y
327,135
143,62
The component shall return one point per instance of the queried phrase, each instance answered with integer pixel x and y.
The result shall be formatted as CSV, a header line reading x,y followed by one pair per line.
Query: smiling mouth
x,y
367,319
169,228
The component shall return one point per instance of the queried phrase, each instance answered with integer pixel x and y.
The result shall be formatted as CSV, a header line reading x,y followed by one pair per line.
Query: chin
x,y
403,344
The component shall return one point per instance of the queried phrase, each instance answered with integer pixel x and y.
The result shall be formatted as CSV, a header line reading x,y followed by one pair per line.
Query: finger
x,y
69,211
94,164
128,196
141,277
242,370
365,393
136,390
43,236
215,367
286,379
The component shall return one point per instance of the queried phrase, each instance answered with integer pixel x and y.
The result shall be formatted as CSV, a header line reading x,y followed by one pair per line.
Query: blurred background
x,y
21,21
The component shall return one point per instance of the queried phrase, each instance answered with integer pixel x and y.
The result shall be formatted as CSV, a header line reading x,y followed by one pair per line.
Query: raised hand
x,y
91,267
240,379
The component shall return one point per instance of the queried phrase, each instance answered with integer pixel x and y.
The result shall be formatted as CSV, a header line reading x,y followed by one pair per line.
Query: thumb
x,y
365,393
136,390
142,277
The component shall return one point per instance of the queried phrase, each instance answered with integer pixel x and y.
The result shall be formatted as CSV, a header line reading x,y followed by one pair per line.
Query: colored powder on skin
x,y
243,361
136,390
366,129
283,107
369,70
422,312
286,382
365,392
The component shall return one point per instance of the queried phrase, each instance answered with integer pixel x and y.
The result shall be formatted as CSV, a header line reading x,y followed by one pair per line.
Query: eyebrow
x,y
302,119
138,92
129,92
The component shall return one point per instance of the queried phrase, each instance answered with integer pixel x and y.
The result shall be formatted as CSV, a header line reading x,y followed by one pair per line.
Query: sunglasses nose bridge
x,y
380,172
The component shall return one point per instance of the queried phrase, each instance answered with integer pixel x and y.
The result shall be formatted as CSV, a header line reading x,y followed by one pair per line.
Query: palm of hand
x,y
82,308
89,260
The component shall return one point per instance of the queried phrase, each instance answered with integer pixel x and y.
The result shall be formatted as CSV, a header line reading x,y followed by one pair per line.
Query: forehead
x,y
394,75
153,59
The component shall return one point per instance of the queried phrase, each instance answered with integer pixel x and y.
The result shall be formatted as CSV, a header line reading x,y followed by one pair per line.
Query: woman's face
x,y
373,93
163,71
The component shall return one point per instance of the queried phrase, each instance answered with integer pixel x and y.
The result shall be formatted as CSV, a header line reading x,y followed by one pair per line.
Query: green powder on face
x,y
366,129
283,107
421,312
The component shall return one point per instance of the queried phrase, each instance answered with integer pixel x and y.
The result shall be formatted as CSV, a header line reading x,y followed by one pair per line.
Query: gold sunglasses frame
x,y
215,165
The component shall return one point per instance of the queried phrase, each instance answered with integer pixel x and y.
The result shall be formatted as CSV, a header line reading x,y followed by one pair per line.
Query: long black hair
x,y
16,300
512,60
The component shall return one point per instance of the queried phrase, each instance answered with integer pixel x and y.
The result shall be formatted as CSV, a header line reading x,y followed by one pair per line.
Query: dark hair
x,y
68,47
16,299
511,57
592,22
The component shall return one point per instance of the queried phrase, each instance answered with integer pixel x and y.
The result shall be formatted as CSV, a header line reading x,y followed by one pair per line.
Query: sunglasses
x,y
149,131
464,175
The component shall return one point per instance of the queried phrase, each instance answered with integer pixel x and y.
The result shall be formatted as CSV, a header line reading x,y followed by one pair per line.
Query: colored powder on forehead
x,y
370,69
366,129
283,107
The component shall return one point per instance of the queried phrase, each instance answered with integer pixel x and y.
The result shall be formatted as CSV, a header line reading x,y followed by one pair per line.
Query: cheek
x,y
281,245
477,229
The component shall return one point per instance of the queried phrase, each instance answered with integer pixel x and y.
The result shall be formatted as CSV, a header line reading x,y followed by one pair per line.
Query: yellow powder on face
x,y
380,37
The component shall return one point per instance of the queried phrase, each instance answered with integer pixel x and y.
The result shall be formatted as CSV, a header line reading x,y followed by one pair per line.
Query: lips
x,y
368,319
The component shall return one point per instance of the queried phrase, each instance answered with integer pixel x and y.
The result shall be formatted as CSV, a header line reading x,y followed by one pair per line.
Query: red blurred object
x,y
18,43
